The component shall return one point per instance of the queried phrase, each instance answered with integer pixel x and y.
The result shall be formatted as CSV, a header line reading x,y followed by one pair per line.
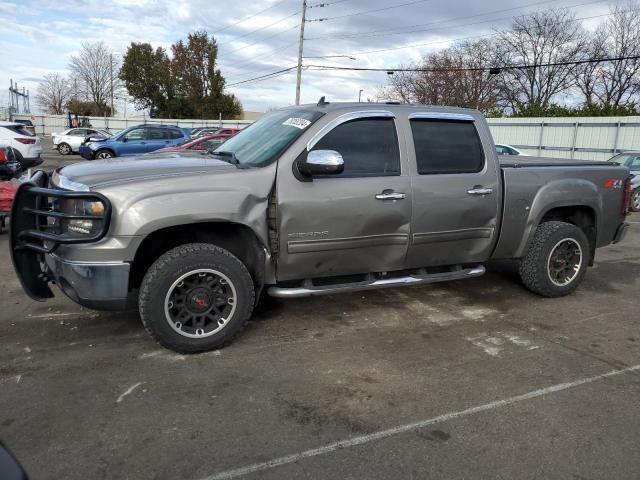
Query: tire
x,y
635,200
64,149
185,299
556,261
104,153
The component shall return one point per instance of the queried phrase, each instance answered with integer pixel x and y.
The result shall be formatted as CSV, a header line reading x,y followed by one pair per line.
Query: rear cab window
x,y
444,146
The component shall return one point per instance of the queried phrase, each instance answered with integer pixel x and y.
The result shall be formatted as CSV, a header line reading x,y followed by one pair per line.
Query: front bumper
x,y
100,286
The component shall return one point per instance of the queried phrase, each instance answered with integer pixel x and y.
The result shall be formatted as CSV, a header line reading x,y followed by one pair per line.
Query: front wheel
x,y
64,149
196,297
557,259
635,200
104,154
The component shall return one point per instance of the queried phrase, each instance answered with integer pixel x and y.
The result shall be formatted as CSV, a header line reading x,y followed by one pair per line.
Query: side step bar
x,y
308,289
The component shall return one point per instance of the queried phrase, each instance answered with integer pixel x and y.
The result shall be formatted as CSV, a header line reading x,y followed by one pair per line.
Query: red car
x,y
208,142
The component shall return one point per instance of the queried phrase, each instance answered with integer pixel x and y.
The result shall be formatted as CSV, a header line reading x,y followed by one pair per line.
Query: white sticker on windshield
x,y
300,123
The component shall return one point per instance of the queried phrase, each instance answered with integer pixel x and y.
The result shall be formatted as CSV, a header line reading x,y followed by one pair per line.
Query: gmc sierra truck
x,y
311,200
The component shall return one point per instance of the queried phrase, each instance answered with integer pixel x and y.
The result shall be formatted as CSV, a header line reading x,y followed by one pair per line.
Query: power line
x,y
317,5
494,69
244,19
261,40
264,77
374,33
365,12
261,59
449,40
261,28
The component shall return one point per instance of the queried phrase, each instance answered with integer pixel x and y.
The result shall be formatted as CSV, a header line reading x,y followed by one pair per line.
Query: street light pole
x,y
360,95
300,49
111,79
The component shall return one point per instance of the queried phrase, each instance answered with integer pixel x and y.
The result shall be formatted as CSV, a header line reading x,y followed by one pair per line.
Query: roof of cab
x,y
391,106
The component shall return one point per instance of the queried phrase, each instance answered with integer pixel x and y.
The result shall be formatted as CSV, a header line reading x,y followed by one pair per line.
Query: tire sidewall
x,y
159,280
64,149
635,193
538,263
103,151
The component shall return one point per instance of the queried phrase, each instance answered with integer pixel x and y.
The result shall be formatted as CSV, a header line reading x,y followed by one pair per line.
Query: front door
x,y
134,142
354,222
456,192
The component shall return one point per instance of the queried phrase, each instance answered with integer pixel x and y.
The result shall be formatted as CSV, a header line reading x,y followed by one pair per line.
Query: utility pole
x,y
111,79
300,48
360,95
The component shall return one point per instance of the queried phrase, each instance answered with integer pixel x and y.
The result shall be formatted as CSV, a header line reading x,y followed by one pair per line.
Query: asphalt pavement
x,y
470,379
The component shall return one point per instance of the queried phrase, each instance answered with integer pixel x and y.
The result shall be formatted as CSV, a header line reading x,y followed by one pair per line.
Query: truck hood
x,y
99,173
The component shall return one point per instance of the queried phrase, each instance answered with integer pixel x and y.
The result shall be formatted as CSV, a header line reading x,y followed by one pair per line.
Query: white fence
x,y
48,124
585,138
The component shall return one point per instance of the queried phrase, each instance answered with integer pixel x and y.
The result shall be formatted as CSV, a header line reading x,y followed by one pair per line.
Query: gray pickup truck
x,y
309,200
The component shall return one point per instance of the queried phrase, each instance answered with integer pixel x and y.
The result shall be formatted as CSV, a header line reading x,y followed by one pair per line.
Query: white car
x,y
27,146
503,149
70,140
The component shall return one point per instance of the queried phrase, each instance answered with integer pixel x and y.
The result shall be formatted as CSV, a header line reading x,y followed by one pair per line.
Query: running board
x,y
308,289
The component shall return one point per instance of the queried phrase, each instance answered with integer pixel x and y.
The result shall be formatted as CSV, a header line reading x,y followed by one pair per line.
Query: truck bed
x,y
532,186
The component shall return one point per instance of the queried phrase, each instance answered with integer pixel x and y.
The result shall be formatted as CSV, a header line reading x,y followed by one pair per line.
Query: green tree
x,y
188,85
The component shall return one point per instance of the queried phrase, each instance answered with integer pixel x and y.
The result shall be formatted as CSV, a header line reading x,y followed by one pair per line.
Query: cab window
x,y
369,147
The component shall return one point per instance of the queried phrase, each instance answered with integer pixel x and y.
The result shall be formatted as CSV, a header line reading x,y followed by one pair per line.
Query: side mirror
x,y
124,139
322,162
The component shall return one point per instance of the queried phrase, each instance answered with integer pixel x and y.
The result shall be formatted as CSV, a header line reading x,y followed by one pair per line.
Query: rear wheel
x,y
557,259
635,200
104,154
196,297
64,149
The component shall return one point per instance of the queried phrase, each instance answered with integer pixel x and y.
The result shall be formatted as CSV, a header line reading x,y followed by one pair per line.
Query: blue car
x,y
134,141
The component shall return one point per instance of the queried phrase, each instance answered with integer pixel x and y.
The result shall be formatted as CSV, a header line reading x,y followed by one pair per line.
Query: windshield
x,y
620,159
263,141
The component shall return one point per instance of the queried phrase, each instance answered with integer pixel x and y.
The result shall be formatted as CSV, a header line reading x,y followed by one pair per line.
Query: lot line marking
x,y
128,391
362,439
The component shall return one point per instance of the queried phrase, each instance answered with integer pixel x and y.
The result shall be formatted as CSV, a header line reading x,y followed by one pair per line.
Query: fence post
x,y
573,142
540,140
615,141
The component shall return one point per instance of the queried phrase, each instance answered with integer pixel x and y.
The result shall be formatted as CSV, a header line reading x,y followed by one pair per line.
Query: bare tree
x,y
96,68
53,94
614,83
538,40
455,76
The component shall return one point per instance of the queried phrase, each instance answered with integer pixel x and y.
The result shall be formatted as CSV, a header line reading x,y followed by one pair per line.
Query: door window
x,y
634,163
175,134
446,147
157,134
135,134
369,147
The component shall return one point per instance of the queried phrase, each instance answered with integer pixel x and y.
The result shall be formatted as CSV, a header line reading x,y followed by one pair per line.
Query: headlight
x,y
84,226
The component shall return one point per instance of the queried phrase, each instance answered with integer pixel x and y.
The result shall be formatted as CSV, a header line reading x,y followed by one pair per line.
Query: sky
x,y
258,38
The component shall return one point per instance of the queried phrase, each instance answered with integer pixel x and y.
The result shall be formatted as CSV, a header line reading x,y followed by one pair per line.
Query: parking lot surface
x,y
468,379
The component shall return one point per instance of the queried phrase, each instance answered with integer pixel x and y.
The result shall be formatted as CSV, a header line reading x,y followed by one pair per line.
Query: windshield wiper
x,y
232,156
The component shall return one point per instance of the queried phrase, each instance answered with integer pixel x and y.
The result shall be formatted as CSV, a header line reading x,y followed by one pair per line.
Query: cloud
x,y
42,39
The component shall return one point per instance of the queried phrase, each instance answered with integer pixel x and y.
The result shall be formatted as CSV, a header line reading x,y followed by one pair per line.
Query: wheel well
x,y
582,217
237,239
105,148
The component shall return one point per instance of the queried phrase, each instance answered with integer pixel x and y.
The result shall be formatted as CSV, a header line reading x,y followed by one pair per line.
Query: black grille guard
x,y
32,235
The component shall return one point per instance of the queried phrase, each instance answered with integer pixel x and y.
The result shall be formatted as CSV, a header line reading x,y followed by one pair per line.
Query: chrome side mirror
x,y
322,162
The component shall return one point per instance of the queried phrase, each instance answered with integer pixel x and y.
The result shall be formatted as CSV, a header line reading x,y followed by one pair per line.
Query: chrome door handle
x,y
480,191
390,196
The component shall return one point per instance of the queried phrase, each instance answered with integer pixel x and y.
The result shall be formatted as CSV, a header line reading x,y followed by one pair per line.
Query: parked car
x,y
208,142
211,131
502,149
134,141
10,167
27,146
10,468
631,160
69,141
311,200
28,124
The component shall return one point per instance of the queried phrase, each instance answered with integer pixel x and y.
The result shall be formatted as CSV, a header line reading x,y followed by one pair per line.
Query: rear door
x,y
456,192
347,223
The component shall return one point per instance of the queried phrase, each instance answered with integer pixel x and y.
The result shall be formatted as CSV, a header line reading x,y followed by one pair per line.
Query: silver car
x,y
69,141
631,160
